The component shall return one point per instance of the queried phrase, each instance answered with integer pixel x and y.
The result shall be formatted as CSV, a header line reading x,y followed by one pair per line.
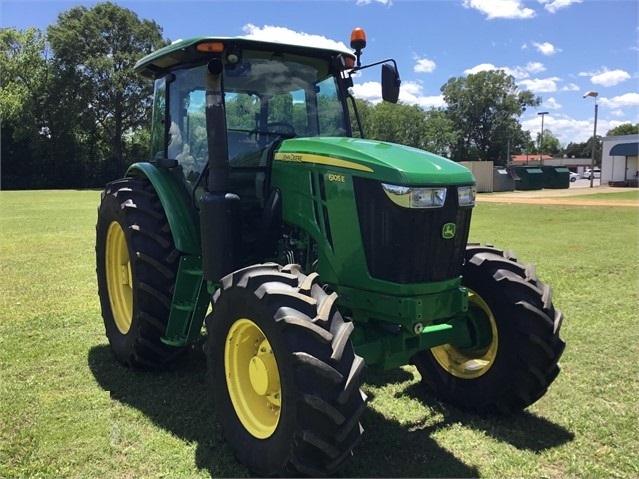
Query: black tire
x,y
310,425
521,361
136,265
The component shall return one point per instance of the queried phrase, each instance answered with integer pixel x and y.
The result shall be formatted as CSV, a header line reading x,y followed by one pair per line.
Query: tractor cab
x,y
270,91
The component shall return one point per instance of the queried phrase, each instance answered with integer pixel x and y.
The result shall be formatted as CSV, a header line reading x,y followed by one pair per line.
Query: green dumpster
x,y
530,178
556,177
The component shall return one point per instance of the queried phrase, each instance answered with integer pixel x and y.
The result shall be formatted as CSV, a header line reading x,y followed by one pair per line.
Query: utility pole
x,y
541,137
593,94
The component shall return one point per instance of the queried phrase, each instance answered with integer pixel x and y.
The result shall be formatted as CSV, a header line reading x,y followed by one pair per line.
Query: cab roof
x,y
184,53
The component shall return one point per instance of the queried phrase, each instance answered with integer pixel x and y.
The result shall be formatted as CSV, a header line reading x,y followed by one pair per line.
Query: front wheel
x,y
518,359
136,265
284,376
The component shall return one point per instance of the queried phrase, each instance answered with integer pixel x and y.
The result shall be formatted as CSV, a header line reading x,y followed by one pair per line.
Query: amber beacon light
x,y
358,42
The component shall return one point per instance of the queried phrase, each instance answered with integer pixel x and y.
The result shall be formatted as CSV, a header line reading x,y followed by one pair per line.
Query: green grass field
x,y
68,410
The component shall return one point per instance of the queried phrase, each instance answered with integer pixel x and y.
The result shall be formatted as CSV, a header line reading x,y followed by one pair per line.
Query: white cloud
x,y
546,48
371,91
552,104
411,93
424,65
606,77
570,87
541,85
535,67
610,78
367,2
553,5
567,129
518,72
482,67
621,101
271,33
500,8
564,128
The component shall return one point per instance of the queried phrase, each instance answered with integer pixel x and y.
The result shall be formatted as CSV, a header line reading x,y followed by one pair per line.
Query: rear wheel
x,y
136,265
519,358
284,375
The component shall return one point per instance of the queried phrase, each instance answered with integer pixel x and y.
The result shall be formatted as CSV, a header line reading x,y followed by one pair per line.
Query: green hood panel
x,y
386,162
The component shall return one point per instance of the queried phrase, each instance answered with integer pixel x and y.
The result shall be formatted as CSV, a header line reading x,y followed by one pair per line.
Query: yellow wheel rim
x,y
118,277
467,364
252,378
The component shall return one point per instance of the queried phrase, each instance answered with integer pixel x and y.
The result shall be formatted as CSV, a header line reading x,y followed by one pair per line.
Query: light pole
x,y
593,94
541,137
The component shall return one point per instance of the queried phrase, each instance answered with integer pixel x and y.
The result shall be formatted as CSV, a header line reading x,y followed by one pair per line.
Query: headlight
x,y
466,195
415,197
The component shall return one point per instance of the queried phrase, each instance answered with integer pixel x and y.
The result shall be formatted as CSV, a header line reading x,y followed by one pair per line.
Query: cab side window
x,y
158,120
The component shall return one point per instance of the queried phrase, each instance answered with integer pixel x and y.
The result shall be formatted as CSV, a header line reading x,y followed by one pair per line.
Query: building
x,y
619,164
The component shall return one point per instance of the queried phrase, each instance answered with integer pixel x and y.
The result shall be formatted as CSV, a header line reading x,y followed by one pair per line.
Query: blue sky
x,y
559,49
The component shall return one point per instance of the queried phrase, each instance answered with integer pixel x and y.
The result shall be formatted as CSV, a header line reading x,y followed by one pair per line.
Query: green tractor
x,y
307,253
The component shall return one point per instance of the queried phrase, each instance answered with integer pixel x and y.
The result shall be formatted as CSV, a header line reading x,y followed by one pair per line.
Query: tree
x,y
551,144
440,133
625,129
29,108
484,108
95,52
577,150
397,123
23,83
365,112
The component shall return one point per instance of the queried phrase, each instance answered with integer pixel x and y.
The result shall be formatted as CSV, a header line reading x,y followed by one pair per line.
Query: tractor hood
x,y
387,162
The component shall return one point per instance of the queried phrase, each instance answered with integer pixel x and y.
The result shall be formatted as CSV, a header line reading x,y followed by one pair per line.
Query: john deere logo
x,y
448,230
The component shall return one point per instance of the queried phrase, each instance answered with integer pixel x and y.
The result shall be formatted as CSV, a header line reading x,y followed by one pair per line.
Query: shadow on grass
x,y
177,400
523,430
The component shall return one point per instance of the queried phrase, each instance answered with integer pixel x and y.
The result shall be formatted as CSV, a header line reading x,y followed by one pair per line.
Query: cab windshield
x,y
268,97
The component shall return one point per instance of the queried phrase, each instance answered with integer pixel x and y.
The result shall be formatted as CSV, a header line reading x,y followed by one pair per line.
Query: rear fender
x,y
177,203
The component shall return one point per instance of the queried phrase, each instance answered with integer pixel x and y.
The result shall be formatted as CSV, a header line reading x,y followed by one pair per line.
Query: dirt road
x,y
569,196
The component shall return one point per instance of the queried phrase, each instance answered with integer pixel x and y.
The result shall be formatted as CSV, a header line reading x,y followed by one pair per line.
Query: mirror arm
x,y
356,69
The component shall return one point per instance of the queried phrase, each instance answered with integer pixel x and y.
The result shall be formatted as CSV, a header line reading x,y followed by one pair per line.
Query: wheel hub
x,y
263,373
253,378
119,277
472,363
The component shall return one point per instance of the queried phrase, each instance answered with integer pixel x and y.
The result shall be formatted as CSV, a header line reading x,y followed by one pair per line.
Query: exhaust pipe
x,y
220,227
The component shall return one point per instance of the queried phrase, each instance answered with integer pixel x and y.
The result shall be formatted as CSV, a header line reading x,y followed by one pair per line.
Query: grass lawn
x,y
68,410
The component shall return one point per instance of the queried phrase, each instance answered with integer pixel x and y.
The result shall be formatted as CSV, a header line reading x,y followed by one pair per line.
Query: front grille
x,y
405,245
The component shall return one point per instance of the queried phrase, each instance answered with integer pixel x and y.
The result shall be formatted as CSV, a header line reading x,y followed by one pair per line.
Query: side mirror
x,y
390,83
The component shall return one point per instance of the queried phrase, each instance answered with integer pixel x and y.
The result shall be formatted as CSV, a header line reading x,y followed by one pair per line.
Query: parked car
x,y
587,173
574,177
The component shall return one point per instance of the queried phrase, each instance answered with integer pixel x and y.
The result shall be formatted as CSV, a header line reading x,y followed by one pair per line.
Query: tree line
x,y
75,114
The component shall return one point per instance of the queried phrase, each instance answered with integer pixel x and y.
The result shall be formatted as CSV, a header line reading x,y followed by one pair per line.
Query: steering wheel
x,y
276,128
281,128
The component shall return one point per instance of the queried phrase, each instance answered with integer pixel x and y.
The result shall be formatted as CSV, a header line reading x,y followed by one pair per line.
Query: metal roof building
x,y
619,160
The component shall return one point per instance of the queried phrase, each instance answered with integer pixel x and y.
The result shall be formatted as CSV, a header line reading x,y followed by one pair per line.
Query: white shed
x,y
619,160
